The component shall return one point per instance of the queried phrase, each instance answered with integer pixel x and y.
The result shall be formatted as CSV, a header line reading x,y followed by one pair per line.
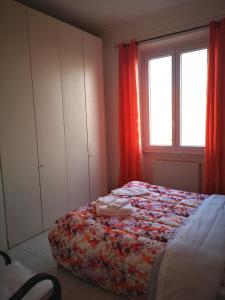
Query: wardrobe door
x,y
17,127
44,49
72,72
95,115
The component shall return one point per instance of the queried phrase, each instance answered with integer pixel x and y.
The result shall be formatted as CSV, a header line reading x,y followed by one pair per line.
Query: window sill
x,y
199,152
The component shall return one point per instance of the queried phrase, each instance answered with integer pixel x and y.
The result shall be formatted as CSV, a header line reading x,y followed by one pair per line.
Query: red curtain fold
x,y
129,131
215,118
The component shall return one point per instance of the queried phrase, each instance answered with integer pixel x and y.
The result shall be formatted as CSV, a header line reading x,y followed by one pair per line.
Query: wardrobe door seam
x,y
63,111
85,94
35,120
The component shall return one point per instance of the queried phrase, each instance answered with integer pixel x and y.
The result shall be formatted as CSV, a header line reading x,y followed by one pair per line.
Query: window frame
x,y
175,49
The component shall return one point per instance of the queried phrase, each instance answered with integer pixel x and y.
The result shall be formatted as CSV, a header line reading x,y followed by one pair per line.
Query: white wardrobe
x,y
52,121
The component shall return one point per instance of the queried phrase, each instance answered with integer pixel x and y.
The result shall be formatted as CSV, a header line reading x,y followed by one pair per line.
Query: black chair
x,y
17,281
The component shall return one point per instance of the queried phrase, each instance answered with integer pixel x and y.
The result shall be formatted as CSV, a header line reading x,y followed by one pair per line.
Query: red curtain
x,y
215,119
129,131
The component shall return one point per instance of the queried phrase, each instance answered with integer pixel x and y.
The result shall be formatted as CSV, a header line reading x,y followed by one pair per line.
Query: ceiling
x,y
96,16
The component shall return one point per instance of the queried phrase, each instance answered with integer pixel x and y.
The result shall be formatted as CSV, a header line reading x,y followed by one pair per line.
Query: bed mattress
x,y
117,253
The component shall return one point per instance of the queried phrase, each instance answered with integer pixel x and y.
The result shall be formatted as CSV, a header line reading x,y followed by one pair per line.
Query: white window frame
x,y
173,47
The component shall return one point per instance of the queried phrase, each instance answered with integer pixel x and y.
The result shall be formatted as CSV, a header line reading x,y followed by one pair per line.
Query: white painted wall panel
x,y
17,127
72,71
44,48
95,115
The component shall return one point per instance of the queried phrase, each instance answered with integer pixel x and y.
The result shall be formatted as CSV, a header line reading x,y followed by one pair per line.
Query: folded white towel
x,y
105,200
106,210
131,191
119,202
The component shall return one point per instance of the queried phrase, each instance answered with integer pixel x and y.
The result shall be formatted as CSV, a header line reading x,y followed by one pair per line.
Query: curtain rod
x,y
168,34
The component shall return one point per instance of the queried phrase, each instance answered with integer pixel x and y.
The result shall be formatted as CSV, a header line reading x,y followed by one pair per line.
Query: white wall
x,y
187,15
111,98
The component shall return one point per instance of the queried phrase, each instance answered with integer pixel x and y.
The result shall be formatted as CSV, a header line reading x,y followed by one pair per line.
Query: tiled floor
x,y
35,254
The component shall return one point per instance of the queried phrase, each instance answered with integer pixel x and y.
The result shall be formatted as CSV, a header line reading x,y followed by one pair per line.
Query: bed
x,y
118,253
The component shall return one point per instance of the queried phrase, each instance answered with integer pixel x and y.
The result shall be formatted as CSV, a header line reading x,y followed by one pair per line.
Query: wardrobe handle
x,y
40,166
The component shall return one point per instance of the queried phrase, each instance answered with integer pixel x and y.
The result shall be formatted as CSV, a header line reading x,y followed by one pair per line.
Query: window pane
x,y
160,101
193,98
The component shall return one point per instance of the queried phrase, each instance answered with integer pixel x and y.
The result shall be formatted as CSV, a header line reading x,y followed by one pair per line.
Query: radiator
x,y
178,175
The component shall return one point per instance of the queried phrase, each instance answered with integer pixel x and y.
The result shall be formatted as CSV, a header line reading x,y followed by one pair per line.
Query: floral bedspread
x,y
117,253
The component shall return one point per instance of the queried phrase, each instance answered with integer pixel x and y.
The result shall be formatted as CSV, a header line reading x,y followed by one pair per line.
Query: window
x,y
193,70
174,96
160,100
